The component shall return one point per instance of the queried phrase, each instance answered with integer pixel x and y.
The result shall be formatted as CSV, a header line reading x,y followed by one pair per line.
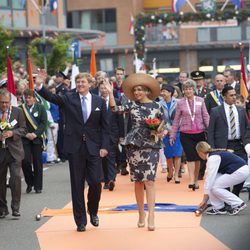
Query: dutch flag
x,y
177,4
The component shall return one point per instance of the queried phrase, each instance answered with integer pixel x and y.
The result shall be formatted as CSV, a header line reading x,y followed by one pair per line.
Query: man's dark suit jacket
x,y
95,130
116,124
14,143
218,127
210,102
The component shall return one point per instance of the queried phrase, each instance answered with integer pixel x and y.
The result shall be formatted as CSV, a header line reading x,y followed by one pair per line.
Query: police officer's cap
x,y
197,75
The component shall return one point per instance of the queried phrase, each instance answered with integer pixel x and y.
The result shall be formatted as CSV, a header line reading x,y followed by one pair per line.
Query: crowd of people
x,y
104,126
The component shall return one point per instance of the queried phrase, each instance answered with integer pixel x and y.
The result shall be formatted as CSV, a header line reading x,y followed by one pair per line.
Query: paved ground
x,y
20,234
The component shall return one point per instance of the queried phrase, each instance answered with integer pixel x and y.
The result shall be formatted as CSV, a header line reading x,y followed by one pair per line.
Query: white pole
x,y
37,7
191,6
224,5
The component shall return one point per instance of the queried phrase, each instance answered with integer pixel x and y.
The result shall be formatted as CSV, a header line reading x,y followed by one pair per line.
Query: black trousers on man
x,y
32,165
5,160
85,167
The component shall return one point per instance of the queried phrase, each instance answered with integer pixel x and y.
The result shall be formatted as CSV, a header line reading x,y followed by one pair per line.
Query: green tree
x,y
6,39
57,55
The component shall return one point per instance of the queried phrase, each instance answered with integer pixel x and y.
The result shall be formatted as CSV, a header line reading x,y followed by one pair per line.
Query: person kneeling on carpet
x,y
224,169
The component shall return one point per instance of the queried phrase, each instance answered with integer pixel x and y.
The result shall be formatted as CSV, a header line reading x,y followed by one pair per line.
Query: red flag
x,y
31,81
10,82
92,61
243,80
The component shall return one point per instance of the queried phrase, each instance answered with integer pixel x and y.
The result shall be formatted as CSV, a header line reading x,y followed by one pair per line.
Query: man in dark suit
x,y
61,89
222,132
12,154
214,98
116,136
86,140
33,141
229,74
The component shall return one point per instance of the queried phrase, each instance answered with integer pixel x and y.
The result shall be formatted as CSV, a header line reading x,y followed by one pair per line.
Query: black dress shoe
x,y
28,189
38,191
94,220
124,171
111,185
81,228
16,214
3,214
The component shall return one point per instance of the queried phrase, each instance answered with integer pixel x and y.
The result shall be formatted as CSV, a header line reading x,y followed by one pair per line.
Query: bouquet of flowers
x,y
4,126
154,125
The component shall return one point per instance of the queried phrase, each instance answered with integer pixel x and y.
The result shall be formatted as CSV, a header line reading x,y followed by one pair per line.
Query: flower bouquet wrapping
x,y
155,125
4,126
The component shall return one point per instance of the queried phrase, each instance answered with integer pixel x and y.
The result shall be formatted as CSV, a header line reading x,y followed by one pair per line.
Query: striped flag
x,y
53,6
31,80
93,61
132,25
177,4
243,79
10,82
237,3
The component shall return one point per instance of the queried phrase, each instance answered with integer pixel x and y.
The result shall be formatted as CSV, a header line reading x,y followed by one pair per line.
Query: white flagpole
x,y
191,6
224,5
154,68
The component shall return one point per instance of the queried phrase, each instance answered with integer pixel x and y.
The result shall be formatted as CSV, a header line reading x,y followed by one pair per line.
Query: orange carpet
x,y
118,231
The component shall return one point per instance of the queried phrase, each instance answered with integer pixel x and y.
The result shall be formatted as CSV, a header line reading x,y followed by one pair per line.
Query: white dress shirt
x,y
237,124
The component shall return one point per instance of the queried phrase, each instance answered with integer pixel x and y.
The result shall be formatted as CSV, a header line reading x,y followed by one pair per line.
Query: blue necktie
x,y
84,109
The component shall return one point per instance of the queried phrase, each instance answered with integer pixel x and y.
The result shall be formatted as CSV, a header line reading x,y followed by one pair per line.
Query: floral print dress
x,y
142,150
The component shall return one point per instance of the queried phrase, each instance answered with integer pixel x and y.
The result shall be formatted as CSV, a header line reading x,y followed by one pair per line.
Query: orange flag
x,y
31,81
92,61
243,82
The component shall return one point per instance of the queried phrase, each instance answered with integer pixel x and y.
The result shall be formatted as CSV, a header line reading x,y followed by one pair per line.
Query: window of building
x,y
107,64
203,35
4,3
229,34
103,20
17,4
248,30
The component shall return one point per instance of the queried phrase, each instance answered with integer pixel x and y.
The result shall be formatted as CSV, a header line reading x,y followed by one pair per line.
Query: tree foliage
x,y
6,39
57,52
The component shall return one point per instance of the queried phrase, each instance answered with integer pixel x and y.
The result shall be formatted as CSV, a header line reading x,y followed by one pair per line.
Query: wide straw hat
x,y
141,79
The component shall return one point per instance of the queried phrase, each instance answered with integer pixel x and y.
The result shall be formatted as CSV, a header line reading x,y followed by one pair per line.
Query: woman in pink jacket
x,y
192,118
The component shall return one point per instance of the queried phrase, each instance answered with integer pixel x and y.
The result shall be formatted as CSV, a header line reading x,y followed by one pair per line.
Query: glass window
x,y
104,20
248,30
19,19
229,34
5,18
203,35
107,64
18,4
110,20
4,3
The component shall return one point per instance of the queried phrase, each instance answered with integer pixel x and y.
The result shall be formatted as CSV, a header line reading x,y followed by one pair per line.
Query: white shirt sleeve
x,y
213,164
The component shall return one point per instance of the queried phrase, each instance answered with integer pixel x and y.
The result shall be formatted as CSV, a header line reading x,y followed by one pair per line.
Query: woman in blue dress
x,y
173,153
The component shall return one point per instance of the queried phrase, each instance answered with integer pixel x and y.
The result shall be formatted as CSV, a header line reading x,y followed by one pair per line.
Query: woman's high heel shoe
x,y
141,224
152,226
169,178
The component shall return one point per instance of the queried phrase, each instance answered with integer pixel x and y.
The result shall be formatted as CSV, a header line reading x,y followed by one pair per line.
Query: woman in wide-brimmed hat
x,y
142,148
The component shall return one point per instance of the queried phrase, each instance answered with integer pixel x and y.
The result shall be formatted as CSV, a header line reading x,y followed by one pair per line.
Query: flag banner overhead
x,y
31,80
237,3
132,25
177,4
10,82
243,79
53,6
93,62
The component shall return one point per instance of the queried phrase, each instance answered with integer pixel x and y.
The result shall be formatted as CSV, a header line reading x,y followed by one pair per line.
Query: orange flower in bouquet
x,y
153,124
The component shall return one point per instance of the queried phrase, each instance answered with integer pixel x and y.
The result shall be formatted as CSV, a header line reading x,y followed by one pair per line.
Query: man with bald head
x,y
214,98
